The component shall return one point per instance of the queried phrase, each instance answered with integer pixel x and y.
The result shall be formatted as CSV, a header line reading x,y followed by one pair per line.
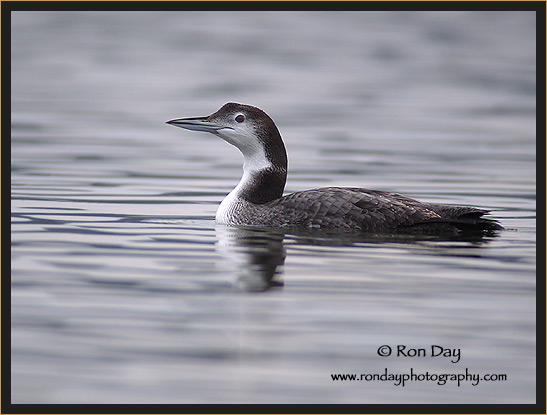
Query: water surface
x,y
125,291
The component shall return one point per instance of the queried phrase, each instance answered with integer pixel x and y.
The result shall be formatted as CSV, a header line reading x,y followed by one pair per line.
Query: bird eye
x,y
240,118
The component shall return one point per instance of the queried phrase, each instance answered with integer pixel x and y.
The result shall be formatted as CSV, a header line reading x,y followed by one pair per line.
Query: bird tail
x,y
463,222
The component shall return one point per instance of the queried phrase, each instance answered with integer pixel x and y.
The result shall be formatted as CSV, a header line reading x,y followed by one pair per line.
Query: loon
x,y
258,198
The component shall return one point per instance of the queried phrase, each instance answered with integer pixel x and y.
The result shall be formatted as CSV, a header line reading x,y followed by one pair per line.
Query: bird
x,y
258,199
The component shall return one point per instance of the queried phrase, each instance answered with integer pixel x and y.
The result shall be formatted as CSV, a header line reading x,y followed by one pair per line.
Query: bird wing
x,y
368,210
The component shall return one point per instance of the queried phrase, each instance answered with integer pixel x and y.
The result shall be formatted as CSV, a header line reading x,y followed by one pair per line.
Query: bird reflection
x,y
257,255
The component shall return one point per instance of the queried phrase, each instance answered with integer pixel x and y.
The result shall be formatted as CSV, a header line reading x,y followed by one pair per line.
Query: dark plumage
x,y
366,210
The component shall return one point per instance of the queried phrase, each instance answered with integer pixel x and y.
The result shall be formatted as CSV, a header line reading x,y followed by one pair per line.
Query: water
x,y
125,291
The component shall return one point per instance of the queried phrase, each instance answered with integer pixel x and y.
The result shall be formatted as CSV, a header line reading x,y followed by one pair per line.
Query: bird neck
x,y
262,186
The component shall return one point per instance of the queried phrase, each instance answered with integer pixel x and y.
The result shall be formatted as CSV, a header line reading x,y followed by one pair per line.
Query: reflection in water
x,y
256,255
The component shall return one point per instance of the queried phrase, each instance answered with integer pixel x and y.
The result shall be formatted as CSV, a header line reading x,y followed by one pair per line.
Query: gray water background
x,y
125,291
